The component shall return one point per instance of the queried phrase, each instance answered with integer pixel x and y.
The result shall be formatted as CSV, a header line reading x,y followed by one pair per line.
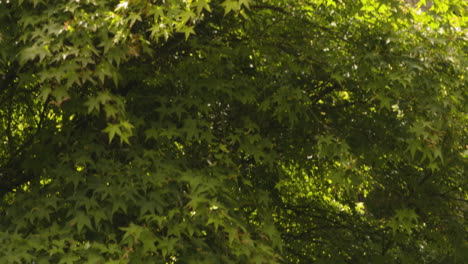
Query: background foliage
x,y
233,131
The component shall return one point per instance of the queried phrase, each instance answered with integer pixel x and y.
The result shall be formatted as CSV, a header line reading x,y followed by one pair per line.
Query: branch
x,y
270,7
445,196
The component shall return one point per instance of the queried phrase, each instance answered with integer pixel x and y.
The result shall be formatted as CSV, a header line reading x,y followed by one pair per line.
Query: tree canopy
x,y
233,131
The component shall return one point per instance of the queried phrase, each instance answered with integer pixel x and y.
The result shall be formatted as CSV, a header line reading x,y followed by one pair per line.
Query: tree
x,y
233,131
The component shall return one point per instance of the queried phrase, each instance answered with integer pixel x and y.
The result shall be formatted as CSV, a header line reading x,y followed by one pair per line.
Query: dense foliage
x,y
233,131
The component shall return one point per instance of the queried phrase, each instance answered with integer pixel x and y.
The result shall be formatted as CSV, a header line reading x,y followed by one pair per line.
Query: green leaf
x,y
149,242
167,245
413,146
81,220
404,219
30,53
188,31
133,17
93,103
112,130
245,3
202,5
119,205
231,5
69,259
45,93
